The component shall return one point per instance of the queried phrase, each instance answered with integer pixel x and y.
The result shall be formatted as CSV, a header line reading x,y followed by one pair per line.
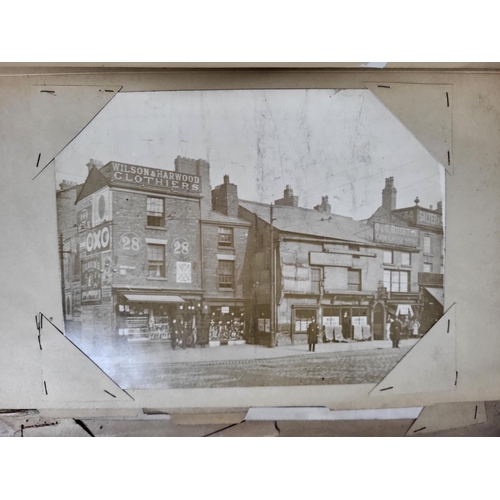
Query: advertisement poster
x,y
91,280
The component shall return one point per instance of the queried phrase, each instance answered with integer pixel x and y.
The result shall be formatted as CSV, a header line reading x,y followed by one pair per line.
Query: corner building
x,y
147,253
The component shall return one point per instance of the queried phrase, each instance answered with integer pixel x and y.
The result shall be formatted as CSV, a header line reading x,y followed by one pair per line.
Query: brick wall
x,y
242,262
182,221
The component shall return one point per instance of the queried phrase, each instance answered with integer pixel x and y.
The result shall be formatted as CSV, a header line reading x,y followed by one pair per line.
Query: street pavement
x,y
157,366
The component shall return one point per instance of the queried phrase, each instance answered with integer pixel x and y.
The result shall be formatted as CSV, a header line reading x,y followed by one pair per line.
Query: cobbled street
x,y
349,367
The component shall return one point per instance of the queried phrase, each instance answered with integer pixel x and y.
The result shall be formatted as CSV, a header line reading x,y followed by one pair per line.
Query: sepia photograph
x,y
248,238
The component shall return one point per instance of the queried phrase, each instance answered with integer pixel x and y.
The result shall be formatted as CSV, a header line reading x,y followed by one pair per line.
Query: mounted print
x,y
248,238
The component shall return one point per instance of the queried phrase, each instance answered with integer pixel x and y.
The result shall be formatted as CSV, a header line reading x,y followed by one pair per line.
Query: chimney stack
x,y
439,207
201,168
389,194
225,198
93,163
67,184
288,200
325,207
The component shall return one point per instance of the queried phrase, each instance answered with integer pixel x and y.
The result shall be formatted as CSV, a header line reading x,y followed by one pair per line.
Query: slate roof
x,y
310,222
386,216
214,216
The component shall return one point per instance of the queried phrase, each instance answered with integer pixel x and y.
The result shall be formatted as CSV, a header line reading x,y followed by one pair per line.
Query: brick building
x,y
345,273
152,255
146,257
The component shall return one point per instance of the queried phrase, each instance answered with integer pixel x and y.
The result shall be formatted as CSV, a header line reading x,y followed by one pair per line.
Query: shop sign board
x,y
330,259
152,178
396,235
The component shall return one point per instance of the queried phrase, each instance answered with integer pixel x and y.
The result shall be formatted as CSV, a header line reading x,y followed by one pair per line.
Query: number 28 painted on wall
x,y
180,248
130,243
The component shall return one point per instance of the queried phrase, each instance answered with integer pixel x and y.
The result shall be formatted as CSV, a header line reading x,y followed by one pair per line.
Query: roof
x,y
384,215
310,222
214,216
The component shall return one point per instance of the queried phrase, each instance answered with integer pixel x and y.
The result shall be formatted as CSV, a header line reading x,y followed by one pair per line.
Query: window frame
x,y
391,252
396,273
319,271
409,259
350,272
222,285
150,217
157,262
225,244
429,238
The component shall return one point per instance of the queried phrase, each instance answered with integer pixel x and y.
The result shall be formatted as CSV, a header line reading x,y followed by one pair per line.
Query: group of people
x,y
399,327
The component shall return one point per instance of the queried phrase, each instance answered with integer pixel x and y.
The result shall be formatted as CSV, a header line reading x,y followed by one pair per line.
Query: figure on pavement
x,y
312,335
396,332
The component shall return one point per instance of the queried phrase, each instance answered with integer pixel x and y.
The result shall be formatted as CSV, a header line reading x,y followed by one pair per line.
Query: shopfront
x,y
227,324
159,318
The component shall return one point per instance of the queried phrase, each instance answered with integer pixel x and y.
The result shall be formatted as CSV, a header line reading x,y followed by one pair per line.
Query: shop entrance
x,y
378,322
347,317
302,317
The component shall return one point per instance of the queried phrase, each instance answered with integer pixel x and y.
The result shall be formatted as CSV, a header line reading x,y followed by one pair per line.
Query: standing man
x,y
396,332
346,326
312,335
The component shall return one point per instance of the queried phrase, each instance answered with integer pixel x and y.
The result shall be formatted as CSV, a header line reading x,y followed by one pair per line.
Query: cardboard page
x,y
475,360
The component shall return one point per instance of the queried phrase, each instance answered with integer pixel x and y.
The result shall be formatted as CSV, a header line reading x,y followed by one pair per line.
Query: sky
x,y
338,143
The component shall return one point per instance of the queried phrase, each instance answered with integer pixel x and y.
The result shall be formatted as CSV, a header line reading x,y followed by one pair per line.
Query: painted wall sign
x,y
98,239
130,244
101,207
84,213
396,235
91,280
430,219
330,259
183,274
145,177
405,214
181,248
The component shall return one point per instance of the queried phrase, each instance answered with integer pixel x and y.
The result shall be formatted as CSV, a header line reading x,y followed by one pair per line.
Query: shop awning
x,y
404,309
164,299
437,293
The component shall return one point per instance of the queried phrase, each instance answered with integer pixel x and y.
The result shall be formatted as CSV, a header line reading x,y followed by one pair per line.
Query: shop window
x,y
427,268
388,257
302,319
155,211
225,236
396,281
315,280
427,244
406,259
156,261
226,273
354,280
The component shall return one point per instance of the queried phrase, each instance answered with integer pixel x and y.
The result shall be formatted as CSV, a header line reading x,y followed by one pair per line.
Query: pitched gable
x,y
94,182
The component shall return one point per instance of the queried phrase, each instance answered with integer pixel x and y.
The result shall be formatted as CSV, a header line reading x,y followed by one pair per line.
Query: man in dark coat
x,y
396,332
312,335
346,327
